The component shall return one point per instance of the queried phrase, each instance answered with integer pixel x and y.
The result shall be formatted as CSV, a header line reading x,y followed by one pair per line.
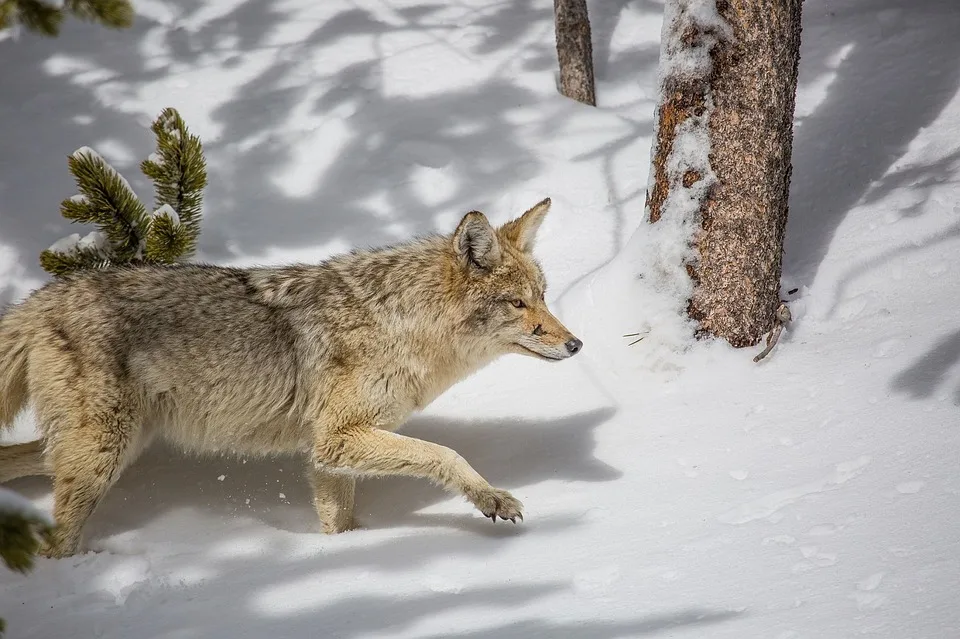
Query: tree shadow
x,y
508,453
368,195
357,152
50,108
241,584
874,107
605,16
930,371
263,596
921,179
652,625
911,246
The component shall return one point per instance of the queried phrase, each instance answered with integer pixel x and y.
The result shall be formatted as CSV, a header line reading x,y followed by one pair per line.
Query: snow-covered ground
x,y
815,495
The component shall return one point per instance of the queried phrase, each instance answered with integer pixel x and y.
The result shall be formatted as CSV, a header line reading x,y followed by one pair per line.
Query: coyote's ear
x,y
522,231
475,241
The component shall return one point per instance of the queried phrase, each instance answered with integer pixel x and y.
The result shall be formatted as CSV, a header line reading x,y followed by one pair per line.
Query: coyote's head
x,y
505,286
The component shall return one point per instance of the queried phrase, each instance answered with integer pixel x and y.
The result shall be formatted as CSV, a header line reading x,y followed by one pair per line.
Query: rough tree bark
x,y
744,96
575,50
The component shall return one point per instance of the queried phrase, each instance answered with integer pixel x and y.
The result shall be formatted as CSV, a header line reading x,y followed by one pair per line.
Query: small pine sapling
x,y
22,529
130,234
45,16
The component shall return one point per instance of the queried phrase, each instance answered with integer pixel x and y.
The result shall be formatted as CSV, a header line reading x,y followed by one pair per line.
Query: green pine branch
x,y
20,539
107,201
60,263
115,14
22,530
168,238
179,174
129,234
36,16
46,19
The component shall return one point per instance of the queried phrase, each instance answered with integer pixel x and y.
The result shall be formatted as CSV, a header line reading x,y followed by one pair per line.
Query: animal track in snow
x,y
438,583
813,559
767,506
850,309
434,156
822,530
888,348
780,540
870,583
868,600
910,487
687,469
865,595
597,581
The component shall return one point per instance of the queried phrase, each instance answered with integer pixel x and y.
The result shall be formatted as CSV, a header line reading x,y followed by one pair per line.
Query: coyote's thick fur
x,y
323,359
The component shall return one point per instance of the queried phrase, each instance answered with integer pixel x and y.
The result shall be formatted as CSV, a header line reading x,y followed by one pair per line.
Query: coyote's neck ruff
x,y
322,359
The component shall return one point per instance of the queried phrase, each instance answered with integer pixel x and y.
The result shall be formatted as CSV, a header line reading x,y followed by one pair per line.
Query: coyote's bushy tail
x,y
21,459
13,366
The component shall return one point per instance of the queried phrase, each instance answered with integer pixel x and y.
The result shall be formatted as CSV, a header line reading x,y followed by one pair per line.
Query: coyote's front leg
x,y
333,499
371,451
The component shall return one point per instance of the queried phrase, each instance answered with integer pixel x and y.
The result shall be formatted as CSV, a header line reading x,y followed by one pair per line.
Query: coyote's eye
x,y
517,303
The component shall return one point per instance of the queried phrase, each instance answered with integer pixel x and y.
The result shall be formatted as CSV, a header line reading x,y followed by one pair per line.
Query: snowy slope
x,y
699,495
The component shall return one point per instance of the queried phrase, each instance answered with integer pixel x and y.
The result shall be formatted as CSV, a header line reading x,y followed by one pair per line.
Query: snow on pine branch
x,y
168,210
66,245
95,157
95,240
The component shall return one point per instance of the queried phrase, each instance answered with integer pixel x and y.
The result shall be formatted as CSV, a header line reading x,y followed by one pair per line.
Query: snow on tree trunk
x,y
574,50
721,157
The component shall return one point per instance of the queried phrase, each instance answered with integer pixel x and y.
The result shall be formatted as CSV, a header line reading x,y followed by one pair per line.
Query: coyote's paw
x,y
341,526
55,550
494,503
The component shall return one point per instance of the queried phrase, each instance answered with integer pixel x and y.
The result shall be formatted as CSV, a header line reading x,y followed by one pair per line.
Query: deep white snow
x,y
671,489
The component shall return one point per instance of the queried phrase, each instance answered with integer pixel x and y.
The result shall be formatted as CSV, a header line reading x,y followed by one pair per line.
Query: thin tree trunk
x,y
743,98
575,50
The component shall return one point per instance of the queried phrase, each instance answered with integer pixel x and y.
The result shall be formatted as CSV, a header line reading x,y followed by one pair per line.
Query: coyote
x,y
325,359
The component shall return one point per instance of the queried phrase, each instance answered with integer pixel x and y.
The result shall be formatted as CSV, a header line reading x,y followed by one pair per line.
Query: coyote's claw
x,y
494,503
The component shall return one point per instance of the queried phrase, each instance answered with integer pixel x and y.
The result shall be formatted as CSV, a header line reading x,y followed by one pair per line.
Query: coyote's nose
x,y
574,346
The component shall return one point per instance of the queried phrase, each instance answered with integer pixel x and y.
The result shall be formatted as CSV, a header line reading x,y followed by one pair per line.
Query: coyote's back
x,y
13,367
191,350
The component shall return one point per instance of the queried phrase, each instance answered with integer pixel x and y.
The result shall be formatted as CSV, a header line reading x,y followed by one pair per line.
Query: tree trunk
x,y
742,97
575,50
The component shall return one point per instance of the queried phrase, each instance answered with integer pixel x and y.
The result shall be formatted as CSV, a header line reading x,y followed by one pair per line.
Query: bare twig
x,y
783,316
639,339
